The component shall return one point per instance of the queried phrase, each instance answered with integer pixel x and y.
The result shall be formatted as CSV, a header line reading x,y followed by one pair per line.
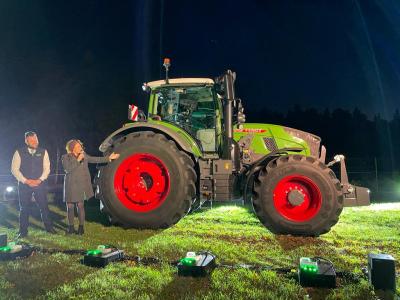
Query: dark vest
x,y
31,165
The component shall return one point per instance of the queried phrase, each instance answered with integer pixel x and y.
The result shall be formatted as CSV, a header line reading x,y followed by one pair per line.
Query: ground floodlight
x,y
102,256
382,271
13,250
316,272
196,264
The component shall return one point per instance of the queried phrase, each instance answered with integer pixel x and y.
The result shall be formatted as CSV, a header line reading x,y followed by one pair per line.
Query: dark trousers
x,y
26,202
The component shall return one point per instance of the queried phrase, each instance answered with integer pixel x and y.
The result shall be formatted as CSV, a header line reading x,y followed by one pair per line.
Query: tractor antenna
x,y
167,64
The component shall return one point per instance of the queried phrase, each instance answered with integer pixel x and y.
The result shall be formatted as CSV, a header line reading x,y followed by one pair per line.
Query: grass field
x,y
233,233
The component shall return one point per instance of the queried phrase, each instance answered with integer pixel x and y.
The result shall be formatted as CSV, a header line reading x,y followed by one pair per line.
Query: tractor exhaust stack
x,y
228,80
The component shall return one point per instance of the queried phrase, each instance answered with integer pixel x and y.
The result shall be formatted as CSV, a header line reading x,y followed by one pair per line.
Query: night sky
x,y
70,68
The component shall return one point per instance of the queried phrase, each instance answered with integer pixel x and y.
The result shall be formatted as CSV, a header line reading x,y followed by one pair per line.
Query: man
x,y
31,167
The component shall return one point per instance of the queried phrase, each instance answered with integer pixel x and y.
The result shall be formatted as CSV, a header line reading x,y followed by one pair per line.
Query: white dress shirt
x,y
16,164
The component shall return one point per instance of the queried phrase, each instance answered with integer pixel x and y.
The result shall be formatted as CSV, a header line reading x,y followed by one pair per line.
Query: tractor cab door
x,y
193,108
205,122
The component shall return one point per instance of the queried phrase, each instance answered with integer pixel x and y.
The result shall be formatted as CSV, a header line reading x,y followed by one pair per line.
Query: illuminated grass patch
x,y
233,233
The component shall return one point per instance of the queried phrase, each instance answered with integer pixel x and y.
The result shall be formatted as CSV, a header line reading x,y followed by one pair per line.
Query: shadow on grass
x,y
207,206
9,216
7,219
185,288
36,275
289,242
93,213
55,217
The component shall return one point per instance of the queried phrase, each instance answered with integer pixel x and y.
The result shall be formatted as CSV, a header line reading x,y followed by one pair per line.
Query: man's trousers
x,y
26,196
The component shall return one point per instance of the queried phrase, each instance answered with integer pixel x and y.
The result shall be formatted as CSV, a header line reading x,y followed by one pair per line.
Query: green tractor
x,y
194,146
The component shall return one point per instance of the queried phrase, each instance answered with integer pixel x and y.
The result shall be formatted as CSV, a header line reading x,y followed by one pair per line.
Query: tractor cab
x,y
192,104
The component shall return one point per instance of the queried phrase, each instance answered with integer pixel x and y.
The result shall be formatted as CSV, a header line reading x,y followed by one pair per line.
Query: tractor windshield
x,y
192,108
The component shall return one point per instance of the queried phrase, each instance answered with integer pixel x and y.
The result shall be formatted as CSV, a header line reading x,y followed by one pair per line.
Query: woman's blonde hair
x,y
71,144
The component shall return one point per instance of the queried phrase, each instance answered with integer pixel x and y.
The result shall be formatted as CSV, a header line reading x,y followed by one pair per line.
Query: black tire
x,y
315,172
182,179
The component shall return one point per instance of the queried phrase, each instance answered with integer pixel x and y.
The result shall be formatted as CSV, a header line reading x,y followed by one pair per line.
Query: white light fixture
x,y
9,189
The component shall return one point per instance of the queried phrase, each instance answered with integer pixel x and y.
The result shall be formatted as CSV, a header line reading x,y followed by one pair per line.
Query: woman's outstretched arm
x,y
97,160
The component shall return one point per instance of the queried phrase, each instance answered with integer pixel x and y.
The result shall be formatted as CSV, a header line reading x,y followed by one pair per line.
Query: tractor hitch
x,y
353,195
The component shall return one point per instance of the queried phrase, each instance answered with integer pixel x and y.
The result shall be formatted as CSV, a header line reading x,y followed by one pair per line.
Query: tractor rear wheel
x,y
151,184
297,195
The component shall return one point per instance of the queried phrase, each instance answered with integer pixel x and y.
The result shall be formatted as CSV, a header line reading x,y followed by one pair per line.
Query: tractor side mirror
x,y
142,116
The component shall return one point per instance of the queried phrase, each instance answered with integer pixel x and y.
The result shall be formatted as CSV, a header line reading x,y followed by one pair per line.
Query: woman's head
x,y
74,147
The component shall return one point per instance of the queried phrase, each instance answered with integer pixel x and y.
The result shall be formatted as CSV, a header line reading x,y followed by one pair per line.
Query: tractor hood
x,y
265,138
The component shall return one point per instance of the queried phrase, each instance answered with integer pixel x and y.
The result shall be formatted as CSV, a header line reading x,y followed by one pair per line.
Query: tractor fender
x,y
182,138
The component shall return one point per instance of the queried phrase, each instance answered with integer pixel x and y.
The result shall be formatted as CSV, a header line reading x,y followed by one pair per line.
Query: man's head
x,y
31,139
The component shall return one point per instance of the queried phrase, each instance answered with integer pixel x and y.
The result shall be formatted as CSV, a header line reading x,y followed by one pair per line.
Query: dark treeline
x,y
348,132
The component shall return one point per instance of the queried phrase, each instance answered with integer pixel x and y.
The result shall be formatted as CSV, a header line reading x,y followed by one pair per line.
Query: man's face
x,y
32,141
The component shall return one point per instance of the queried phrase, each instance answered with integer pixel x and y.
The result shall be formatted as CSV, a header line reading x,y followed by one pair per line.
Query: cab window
x,y
191,108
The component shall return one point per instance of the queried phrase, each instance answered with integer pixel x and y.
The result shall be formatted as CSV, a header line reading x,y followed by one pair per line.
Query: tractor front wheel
x,y
151,184
297,195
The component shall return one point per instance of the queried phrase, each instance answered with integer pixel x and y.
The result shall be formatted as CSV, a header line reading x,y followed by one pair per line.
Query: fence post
x,y
376,174
57,164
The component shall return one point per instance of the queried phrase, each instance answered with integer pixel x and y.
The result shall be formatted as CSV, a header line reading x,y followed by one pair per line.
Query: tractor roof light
x,y
145,87
338,157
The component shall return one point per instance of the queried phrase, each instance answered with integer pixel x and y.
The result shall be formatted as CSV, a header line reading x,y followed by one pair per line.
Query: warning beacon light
x,y
166,64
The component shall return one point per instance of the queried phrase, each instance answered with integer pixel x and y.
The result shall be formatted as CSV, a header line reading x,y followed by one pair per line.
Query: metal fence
x,y
380,174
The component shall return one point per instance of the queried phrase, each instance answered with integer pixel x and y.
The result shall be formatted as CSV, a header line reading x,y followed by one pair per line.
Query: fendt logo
x,y
250,130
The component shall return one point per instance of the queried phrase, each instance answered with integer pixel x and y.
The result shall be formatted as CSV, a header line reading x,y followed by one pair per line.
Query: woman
x,y
77,183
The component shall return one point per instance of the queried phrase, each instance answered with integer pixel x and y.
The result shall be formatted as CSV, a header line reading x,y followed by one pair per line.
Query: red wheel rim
x,y
142,182
301,189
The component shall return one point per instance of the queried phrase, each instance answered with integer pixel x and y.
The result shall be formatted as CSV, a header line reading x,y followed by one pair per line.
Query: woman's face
x,y
77,149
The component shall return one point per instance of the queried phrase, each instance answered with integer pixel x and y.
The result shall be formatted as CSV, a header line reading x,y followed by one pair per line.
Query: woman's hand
x,y
113,156
80,157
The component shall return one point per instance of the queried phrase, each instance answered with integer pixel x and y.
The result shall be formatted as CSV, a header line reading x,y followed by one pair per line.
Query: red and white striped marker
x,y
133,112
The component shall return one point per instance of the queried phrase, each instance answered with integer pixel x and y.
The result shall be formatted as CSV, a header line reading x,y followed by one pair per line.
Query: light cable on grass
x,y
154,261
